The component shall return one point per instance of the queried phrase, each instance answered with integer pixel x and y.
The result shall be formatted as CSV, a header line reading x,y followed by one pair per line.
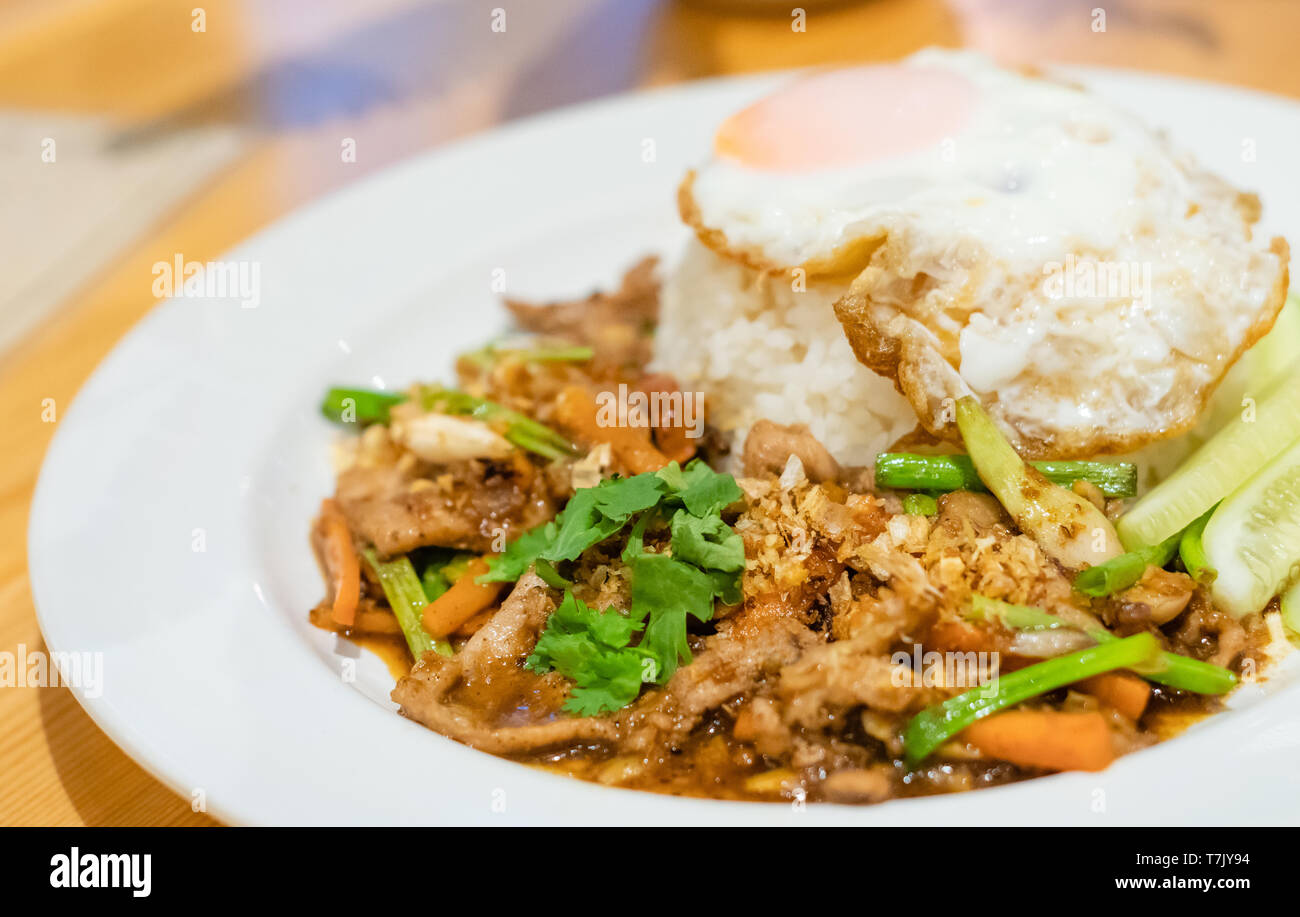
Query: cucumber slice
x,y
1291,611
1217,468
1275,352
1253,538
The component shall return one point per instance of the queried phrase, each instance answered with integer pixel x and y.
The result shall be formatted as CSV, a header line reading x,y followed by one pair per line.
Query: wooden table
x,y
401,76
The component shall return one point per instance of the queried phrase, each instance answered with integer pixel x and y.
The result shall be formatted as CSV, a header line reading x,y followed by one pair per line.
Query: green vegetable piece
x,y
703,491
665,591
920,505
405,594
359,405
1066,526
945,473
1118,573
1175,671
708,543
935,725
591,648
1013,617
1191,550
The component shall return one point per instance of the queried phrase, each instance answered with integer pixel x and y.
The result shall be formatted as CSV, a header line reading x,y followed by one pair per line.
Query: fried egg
x,y
998,234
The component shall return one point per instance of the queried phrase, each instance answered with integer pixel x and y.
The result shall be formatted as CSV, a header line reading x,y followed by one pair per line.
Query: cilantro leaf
x,y
664,591
703,491
707,560
621,498
579,527
590,647
709,543
519,555
609,681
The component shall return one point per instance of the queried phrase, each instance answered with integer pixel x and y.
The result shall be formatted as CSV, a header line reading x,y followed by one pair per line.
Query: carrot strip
x,y
577,411
462,601
1048,739
958,636
1126,693
475,624
343,562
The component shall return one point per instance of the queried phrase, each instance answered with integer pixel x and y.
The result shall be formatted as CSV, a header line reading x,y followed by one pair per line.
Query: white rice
x,y
758,349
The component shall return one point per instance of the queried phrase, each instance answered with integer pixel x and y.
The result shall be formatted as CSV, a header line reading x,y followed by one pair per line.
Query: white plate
x,y
201,429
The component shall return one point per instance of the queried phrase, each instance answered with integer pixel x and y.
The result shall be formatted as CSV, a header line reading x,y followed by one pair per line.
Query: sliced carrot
x,y
462,601
958,636
1048,739
343,562
1125,692
670,434
577,411
475,624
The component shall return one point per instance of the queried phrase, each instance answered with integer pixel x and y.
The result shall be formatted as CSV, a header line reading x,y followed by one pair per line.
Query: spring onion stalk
x,y
920,505
1118,573
433,582
439,568
405,594
359,405
935,725
524,432
1067,527
486,356
1014,617
1173,670
908,471
1192,551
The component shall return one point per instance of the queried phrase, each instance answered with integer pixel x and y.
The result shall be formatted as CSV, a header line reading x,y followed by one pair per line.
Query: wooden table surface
x,y
402,76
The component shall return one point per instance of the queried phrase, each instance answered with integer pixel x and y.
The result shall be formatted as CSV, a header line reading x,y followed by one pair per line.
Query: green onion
x,y
1068,528
549,575
406,597
935,725
359,405
523,431
356,405
1175,671
486,356
920,505
1014,617
908,471
1192,551
1118,573
433,582
1182,672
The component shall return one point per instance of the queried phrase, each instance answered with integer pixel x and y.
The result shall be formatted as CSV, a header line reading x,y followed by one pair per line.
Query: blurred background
x,y
134,129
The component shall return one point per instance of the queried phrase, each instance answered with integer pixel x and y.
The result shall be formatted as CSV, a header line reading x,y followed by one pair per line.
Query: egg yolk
x,y
846,117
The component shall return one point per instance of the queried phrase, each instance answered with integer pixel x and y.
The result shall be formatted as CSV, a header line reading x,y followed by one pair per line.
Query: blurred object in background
x,y
157,96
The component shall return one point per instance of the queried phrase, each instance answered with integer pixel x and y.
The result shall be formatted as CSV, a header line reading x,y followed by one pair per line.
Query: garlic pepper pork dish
x,y
773,522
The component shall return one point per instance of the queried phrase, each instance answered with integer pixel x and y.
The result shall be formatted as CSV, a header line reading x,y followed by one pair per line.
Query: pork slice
x,y
422,696
768,446
616,324
387,507
731,663
472,696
